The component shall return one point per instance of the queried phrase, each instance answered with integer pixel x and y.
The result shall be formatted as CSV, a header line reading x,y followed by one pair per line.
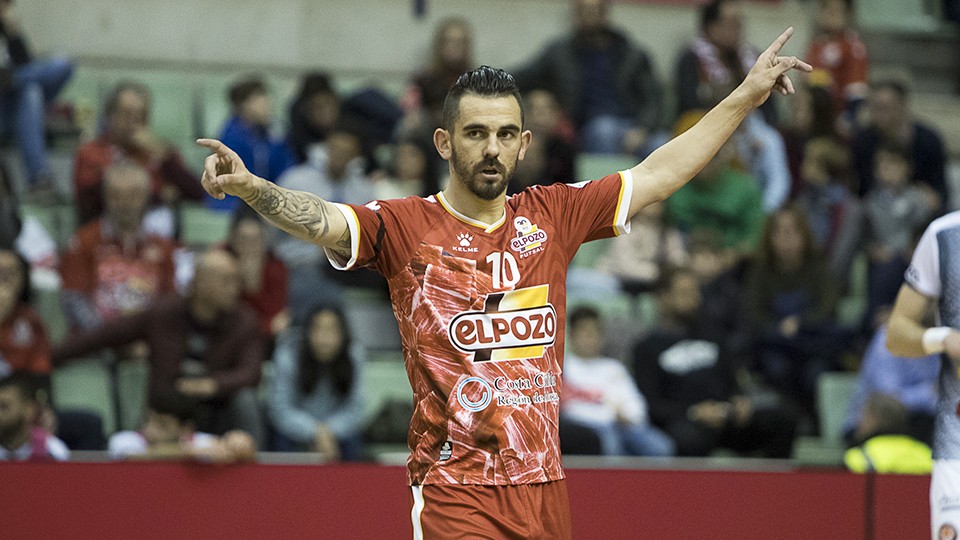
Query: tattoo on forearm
x,y
268,201
344,241
294,211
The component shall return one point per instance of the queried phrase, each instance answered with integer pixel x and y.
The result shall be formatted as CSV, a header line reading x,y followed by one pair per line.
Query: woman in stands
x,y
316,403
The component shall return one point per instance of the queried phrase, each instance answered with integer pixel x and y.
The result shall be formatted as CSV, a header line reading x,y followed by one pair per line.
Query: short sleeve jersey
x,y
844,58
935,273
481,310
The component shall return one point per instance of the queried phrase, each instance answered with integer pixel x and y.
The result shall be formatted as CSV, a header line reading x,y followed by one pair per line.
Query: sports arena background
x,y
181,46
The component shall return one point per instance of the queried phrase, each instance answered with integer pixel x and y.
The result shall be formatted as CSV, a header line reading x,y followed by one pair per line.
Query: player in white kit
x,y
933,280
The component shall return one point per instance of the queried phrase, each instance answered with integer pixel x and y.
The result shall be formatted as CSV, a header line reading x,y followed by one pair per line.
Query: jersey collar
x,y
487,227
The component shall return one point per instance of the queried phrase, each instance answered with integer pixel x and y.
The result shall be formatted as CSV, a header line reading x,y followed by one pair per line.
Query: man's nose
x,y
492,148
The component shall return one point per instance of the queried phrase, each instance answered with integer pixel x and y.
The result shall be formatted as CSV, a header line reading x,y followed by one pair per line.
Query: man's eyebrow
x,y
508,127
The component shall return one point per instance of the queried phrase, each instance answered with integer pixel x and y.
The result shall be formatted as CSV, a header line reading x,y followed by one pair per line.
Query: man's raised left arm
x,y
675,163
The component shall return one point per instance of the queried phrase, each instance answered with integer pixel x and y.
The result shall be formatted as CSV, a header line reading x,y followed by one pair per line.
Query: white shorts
x,y
945,500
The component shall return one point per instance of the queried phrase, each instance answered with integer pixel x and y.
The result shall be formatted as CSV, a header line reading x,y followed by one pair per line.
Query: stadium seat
x,y
594,166
834,390
133,378
385,380
201,227
85,384
47,304
373,324
59,220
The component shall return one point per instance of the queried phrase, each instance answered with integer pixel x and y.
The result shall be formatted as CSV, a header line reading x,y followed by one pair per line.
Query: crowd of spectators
x,y
746,265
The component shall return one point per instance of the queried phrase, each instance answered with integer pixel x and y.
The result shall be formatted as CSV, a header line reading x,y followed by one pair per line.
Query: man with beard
x,y
20,439
477,285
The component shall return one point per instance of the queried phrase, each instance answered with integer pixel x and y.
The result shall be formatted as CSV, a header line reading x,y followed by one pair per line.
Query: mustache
x,y
492,163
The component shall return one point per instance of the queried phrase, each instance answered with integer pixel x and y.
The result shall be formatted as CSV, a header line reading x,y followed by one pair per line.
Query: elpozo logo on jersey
x,y
529,239
513,325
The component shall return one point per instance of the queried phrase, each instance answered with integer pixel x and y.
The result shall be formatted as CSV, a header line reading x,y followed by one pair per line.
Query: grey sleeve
x,y
349,417
286,416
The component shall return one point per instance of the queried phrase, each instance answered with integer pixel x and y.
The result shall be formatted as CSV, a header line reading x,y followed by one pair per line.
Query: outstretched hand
x,y
769,73
224,172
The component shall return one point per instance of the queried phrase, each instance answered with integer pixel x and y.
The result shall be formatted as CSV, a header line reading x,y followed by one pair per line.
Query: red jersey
x,y
118,281
481,311
24,345
844,58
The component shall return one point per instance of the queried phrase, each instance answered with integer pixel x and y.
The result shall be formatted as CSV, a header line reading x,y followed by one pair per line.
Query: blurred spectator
x,y
250,133
27,85
691,381
24,345
20,438
791,300
717,61
604,82
897,211
837,52
333,172
317,401
169,433
313,113
835,214
911,381
451,54
127,136
638,259
25,349
263,276
599,394
883,445
719,272
410,173
550,154
811,117
722,199
26,235
890,120
205,345
761,149
114,266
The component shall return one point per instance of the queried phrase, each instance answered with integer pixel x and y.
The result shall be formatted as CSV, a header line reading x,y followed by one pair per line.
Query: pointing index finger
x,y
218,147
778,43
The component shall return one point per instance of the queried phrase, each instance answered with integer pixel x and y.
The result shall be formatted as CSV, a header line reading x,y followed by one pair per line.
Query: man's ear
x,y
441,139
525,139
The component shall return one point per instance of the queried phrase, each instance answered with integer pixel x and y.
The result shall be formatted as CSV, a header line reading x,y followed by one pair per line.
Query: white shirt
x,y
55,448
595,389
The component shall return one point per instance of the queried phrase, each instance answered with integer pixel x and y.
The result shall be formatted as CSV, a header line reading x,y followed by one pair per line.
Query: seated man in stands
x,y
692,386
127,137
890,121
598,394
113,266
21,439
206,345
169,433
603,80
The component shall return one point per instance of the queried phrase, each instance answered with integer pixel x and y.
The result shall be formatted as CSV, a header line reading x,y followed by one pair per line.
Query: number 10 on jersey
x,y
504,271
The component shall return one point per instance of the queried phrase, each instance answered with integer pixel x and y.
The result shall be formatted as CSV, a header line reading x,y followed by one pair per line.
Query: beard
x,y
472,176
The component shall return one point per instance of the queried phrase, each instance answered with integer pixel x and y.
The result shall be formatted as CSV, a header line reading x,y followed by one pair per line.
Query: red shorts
x,y
475,511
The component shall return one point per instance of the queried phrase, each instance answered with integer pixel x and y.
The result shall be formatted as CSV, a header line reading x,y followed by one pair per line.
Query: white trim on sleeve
x,y
621,223
354,225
